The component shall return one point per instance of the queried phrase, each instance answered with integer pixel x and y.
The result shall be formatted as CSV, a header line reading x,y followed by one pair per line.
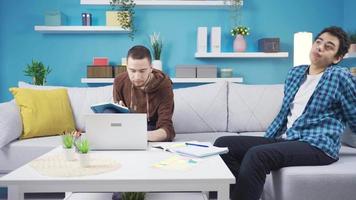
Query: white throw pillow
x,y
201,108
253,107
10,122
81,98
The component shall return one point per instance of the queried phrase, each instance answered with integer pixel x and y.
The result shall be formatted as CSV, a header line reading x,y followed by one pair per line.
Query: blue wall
x,y
349,25
68,54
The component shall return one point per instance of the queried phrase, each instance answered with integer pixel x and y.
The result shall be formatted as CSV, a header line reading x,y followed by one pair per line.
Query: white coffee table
x,y
135,174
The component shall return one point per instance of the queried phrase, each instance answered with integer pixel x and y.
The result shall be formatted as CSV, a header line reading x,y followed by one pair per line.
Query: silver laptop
x,y
116,131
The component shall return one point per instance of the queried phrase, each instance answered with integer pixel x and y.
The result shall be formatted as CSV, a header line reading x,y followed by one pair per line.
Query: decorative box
x,y
94,71
118,69
226,73
268,44
186,71
207,71
100,61
54,18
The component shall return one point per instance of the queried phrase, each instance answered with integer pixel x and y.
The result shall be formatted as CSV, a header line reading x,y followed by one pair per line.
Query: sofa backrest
x,y
252,107
81,98
201,109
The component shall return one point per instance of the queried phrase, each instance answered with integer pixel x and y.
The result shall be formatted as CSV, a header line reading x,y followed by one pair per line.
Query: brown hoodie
x,y
156,99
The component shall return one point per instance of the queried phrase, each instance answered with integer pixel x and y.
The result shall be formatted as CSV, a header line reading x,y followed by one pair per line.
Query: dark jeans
x,y
250,159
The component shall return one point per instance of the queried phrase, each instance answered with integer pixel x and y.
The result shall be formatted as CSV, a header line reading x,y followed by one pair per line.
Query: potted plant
x,y
125,13
352,37
38,71
83,150
68,145
133,195
156,45
239,32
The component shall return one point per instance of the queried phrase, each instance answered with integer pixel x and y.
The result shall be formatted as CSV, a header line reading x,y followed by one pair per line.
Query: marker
x,y
198,145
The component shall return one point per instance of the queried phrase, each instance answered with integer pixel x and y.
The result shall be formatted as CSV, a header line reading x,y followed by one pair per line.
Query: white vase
x,y
157,64
69,154
352,48
239,43
84,159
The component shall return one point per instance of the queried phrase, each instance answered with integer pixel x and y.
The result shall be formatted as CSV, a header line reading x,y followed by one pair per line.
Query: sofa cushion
x,y
81,98
10,122
253,107
19,152
43,113
200,109
348,137
329,182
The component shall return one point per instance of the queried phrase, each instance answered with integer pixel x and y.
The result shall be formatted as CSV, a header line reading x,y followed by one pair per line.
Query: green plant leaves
x,y
38,71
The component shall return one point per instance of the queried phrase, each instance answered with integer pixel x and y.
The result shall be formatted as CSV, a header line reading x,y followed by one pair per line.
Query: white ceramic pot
x,y
84,159
157,64
69,154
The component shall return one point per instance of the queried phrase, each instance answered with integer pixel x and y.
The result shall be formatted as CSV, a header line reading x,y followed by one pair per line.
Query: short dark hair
x,y
344,39
139,52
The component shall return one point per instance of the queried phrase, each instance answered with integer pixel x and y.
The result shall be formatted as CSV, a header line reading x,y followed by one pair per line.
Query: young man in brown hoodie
x,y
146,90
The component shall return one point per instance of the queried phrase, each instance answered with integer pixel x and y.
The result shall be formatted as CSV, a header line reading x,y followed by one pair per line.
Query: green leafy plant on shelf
x,y
83,146
156,45
68,140
38,71
133,195
125,14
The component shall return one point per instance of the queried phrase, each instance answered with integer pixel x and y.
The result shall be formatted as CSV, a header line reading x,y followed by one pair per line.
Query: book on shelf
x,y
109,107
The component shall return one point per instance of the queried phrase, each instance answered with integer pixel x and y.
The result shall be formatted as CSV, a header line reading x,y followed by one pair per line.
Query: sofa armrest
x,y
10,122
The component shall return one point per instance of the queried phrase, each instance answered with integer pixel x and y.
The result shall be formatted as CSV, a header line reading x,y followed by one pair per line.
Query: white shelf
x,y
174,80
154,3
80,29
350,55
242,55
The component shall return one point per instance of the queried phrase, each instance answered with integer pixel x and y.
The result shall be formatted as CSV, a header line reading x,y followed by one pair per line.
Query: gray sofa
x,y
202,113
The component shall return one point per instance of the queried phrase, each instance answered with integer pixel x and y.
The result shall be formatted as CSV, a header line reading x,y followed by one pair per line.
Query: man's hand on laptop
x,y
157,135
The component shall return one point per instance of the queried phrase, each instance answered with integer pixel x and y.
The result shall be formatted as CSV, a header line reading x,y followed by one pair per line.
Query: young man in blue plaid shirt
x,y
319,99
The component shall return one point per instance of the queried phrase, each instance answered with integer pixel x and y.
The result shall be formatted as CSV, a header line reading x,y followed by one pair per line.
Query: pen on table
x,y
198,145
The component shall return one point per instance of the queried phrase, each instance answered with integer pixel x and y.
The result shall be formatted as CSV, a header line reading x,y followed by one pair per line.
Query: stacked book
x,y
100,68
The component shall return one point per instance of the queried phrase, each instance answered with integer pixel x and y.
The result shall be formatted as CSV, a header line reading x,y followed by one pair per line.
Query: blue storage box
x,y
54,18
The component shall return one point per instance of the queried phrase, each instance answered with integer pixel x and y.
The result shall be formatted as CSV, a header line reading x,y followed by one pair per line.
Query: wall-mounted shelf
x,y
350,55
165,3
174,80
80,29
242,55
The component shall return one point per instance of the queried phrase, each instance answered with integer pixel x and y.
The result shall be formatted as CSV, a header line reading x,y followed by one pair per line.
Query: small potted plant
x,y
124,11
38,71
239,32
68,145
133,195
156,45
83,150
352,37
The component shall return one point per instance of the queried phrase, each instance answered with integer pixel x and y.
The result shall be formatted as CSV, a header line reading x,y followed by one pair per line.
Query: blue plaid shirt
x,y
324,118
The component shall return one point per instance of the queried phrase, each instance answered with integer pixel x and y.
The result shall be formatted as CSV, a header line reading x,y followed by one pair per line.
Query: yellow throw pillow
x,y
44,112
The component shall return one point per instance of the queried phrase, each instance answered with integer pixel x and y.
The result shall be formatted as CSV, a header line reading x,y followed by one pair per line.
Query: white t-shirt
x,y
301,98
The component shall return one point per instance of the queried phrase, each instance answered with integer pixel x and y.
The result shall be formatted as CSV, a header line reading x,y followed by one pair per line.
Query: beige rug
x,y
58,166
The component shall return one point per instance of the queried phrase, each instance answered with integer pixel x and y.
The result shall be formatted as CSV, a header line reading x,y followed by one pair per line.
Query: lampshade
x,y
302,44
